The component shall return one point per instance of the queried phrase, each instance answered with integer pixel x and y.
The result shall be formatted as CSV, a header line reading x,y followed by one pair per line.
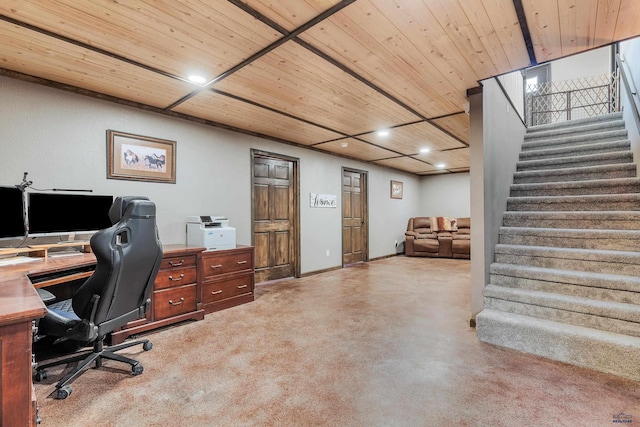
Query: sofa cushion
x,y
464,223
426,245
421,222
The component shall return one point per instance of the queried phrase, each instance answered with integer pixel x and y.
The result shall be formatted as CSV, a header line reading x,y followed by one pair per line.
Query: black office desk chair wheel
x,y
63,392
128,257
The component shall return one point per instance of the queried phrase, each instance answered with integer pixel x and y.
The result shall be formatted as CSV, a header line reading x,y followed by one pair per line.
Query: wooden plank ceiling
x,y
323,74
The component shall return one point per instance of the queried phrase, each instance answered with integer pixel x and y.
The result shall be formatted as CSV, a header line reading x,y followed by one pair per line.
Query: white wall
x,y
630,52
446,195
60,139
591,63
496,139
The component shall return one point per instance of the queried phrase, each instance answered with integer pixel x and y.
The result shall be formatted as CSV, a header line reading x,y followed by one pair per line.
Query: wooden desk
x,y
19,306
177,296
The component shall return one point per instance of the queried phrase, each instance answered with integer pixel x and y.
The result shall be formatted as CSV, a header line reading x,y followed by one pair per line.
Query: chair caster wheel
x,y
63,392
42,375
147,346
137,369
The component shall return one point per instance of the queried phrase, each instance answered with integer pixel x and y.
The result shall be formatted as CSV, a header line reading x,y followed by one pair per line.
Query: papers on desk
x,y
17,260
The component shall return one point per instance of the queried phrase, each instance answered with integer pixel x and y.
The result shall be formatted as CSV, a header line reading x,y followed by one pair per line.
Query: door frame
x,y
365,213
296,202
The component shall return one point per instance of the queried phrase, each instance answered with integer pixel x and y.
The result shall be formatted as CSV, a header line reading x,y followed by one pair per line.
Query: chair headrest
x,y
120,205
140,209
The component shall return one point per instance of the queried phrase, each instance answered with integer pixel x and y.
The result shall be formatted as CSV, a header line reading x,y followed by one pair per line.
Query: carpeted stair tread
x,y
576,161
606,287
601,186
585,202
593,260
622,220
601,147
558,126
577,173
619,240
569,277
607,309
603,351
626,257
607,316
575,140
533,133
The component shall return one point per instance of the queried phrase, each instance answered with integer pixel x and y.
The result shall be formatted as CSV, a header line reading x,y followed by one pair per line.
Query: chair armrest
x,y
410,234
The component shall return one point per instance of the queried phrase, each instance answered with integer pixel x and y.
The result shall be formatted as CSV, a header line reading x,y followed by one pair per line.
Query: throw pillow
x,y
443,223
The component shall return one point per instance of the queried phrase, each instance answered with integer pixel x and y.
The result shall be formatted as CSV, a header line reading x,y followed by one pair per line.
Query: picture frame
x,y
396,189
140,158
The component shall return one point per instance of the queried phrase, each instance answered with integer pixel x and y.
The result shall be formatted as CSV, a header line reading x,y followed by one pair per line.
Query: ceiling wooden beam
x,y
524,27
287,36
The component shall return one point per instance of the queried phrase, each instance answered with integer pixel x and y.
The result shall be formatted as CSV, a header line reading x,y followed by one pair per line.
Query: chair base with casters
x,y
97,355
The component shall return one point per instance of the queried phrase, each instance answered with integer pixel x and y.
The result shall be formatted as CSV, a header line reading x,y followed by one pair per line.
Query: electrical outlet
x,y
396,243
328,252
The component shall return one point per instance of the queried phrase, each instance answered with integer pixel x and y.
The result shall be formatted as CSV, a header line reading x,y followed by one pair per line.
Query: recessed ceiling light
x,y
441,165
383,132
197,79
425,150
344,144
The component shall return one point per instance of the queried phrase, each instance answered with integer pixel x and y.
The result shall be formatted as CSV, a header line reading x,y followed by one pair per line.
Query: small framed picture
x,y
140,158
396,189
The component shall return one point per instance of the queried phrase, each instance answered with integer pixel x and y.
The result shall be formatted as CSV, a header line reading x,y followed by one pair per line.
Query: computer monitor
x,y
12,224
50,214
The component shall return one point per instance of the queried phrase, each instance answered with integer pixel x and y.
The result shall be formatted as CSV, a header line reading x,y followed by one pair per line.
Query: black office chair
x,y
128,256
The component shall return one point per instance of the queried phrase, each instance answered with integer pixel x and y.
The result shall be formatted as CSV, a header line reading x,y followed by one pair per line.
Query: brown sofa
x,y
452,241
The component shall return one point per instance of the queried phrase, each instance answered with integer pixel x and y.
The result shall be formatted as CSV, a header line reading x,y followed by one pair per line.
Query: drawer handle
x,y
216,292
176,279
176,264
242,286
216,266
241,262
177,303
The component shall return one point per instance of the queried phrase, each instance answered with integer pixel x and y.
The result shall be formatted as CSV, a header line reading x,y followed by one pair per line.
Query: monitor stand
x,y
70,239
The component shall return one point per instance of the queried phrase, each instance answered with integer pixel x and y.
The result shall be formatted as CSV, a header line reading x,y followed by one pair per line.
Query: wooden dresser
x,y
176,293
226,277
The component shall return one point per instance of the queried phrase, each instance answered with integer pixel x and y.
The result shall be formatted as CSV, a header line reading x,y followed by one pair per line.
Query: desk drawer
x,y
173,277
214,265
217,291
179,261
174,301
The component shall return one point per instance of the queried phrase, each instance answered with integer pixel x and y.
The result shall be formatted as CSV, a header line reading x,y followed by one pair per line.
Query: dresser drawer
x,y
178,261
217,291
174,301
173,277
214,265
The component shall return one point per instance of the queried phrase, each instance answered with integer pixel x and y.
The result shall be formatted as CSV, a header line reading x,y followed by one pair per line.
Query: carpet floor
x,y
384,343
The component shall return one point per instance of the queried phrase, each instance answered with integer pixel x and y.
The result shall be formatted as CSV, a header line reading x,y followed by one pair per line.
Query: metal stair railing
x,y
552,102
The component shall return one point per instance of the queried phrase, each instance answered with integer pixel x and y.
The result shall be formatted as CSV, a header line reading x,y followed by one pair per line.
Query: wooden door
x,y
274,217
354,217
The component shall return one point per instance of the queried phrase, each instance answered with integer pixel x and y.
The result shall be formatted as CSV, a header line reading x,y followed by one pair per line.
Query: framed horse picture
x,y
140,158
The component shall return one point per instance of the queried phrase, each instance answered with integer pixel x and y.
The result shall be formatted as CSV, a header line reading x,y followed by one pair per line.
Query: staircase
x,y
565,283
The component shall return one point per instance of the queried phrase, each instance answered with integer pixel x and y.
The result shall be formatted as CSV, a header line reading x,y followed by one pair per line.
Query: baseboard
x,y
384,256
324,270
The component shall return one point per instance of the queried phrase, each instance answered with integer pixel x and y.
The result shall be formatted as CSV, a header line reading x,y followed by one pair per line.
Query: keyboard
x,y
17,260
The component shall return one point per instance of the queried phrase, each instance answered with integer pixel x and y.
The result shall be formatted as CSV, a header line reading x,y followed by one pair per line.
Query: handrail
x,y
627,77
504,92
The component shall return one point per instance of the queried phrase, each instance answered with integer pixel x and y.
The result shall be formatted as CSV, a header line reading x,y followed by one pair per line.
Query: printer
x,y
212,232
